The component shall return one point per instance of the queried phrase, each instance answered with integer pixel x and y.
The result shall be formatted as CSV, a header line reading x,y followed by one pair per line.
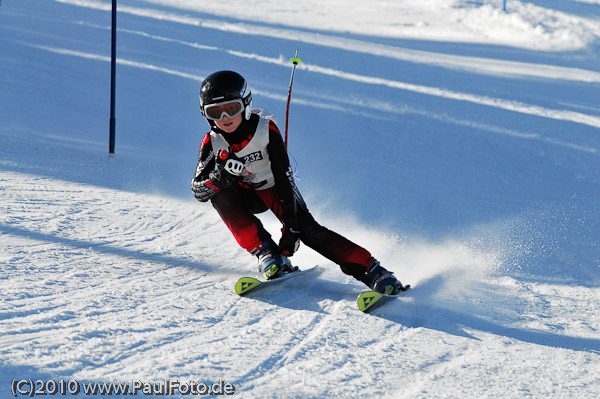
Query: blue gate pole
x,y
113,70
504,5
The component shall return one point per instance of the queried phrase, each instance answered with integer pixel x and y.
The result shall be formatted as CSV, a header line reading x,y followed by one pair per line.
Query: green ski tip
x,y
246,284
368,299
295,60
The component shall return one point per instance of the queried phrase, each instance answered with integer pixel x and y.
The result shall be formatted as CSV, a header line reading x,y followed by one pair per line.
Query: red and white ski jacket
x,y
259,145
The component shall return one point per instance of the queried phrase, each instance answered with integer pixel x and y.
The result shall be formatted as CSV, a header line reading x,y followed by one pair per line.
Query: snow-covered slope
x,y
458,143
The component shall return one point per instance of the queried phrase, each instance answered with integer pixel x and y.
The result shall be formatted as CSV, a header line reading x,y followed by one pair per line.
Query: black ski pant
x,y
238,207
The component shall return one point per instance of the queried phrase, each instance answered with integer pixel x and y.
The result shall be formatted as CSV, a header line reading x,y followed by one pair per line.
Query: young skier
x,y
243,169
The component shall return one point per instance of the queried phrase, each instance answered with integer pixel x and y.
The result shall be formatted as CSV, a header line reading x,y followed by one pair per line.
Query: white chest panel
x,y
254,155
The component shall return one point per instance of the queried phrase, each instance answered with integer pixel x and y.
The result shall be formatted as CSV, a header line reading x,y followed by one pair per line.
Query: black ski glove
x,y
229,169
290,237
221,178
204,189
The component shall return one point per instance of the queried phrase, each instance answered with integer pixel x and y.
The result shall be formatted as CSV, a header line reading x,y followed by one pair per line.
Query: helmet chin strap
x,y
248,111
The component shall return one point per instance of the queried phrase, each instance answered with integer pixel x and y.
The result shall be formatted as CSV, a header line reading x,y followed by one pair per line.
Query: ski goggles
x,y
230,109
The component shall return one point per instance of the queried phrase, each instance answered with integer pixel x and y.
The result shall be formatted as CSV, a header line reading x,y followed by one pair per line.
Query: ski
x,y
247,284
369,300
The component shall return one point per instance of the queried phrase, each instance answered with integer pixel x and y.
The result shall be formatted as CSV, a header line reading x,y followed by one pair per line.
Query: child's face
x,y
229,125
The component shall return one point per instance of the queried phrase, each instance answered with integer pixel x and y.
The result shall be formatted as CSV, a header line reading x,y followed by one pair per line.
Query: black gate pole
x,y
113,70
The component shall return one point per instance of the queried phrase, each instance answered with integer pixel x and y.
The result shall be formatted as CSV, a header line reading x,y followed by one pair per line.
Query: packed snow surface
x,y
459,143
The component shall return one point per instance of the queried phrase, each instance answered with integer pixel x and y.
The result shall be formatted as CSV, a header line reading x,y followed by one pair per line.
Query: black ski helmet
x,y
224,86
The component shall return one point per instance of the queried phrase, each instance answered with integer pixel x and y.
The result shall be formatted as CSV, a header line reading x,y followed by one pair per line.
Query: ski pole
x,y
295,60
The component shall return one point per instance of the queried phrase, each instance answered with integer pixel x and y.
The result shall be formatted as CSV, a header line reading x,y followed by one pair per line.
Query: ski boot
x,y
381,280
272,264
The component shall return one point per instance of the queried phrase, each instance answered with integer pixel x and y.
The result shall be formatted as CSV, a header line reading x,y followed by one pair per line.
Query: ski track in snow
x,y
119,294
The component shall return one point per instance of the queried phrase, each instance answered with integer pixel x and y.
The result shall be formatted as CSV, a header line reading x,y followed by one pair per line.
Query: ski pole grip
x,y
224,154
